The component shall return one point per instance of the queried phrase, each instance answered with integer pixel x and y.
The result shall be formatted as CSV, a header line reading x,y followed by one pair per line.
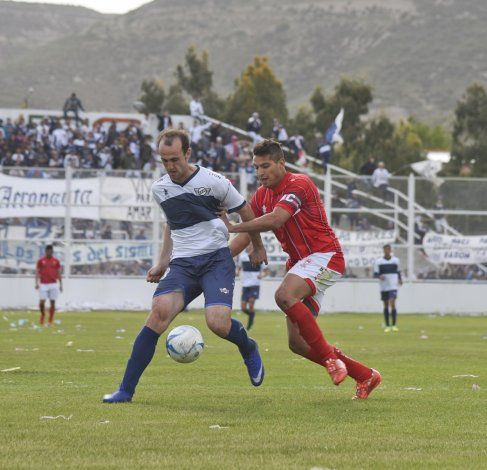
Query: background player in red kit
x,y
48,272
290,206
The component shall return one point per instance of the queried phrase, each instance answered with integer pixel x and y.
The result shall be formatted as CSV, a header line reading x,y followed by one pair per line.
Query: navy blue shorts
x,y
388,295
250,292
212,274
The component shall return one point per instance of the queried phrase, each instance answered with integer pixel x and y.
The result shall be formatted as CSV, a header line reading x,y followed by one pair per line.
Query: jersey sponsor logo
x,y
202,191
224,290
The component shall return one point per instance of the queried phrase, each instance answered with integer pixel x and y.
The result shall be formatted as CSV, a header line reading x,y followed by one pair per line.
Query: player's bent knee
x,y
219,326
283,299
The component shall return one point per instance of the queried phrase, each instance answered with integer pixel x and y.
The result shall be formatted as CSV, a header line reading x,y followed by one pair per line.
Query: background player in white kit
x,y
250,277
386,268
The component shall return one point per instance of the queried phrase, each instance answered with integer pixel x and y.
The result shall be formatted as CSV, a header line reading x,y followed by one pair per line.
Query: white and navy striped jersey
x,y
191,207
389,268
250,275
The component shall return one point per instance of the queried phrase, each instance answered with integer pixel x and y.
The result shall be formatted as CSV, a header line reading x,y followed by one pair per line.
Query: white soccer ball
x,y
185,343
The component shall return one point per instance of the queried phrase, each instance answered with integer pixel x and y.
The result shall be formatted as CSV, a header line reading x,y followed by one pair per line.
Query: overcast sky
x,y
103,6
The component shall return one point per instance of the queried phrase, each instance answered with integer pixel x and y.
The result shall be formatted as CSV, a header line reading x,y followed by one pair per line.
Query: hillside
x,y
419,56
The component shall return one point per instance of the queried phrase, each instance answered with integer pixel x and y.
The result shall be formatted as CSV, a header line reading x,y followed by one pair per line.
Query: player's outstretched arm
x,y
157,271
272,221
258,254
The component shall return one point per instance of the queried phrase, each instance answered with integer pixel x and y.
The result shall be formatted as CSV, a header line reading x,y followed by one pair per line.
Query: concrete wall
x,y
345,296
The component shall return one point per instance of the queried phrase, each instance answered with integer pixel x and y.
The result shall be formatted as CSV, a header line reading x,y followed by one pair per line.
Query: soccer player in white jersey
x,y
386,269
195,259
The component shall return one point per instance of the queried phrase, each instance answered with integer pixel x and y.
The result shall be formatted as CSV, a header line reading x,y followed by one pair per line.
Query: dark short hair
x,y
168,135
387,245
49,247
271,148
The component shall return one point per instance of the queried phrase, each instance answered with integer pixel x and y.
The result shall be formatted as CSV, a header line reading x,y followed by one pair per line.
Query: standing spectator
x,y
279,132
323,152
367,170
380,179
254,126
48,272
296,144
72,104
165,121
196,109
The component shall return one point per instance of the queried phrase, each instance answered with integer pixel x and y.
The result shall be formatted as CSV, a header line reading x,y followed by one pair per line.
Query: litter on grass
x,y
217,426
67,418
475,387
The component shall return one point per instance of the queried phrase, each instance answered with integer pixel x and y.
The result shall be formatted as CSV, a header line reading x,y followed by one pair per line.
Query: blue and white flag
x,y
332,134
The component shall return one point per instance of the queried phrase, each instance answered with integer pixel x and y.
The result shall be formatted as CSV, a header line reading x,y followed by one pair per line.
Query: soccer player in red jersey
x,y
290,206
48,272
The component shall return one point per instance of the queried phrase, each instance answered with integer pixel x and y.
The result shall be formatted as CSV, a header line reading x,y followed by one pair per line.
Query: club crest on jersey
x,y
202,191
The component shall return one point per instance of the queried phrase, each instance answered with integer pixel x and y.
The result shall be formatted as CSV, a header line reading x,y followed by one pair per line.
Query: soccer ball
x,y
184,343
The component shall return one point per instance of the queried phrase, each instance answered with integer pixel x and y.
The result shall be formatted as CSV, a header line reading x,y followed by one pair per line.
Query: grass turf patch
x,y
421,416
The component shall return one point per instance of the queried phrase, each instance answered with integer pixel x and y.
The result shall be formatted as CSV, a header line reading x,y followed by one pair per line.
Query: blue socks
x,y
142,354
394,316
386,316
238,336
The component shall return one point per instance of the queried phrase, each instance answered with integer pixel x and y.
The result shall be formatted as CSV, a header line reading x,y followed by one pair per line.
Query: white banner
x,y
36,197
114,198
127,199
455,250
360,248
24,255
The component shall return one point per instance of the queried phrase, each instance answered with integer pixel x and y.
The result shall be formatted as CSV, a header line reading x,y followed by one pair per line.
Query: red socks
x,y
311,333
320,349
355,369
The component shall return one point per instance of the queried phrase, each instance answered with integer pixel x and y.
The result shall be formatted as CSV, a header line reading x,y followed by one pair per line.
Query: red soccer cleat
x,y
337,370
364,389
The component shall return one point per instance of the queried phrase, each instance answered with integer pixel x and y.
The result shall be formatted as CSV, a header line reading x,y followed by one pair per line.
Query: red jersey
x,y
307,231
48,269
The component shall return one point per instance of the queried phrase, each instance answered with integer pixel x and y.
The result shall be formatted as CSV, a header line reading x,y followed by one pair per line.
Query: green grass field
x,y
420,417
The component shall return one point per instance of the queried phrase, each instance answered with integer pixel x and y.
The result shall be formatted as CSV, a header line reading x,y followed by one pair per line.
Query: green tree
x,y
432,138
303,123
354,96
196,79
257,89
153,95
469,131
175,101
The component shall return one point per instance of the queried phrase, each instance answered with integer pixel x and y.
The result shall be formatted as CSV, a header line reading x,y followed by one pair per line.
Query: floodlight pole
x,y
243,182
